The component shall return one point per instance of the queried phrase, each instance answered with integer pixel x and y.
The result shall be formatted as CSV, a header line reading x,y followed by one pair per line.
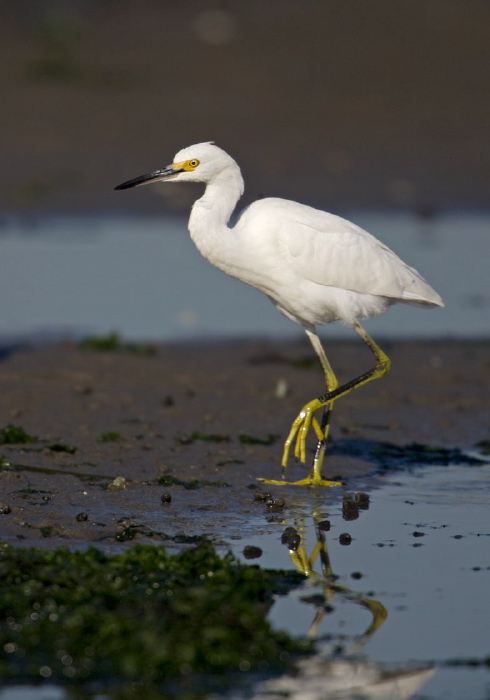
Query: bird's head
x,y
202,162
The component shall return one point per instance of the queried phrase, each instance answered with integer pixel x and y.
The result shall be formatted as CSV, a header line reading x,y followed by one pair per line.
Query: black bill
x,y
164,174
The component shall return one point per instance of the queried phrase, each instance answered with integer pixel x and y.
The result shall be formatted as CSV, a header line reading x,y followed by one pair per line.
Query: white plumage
x,y
314,266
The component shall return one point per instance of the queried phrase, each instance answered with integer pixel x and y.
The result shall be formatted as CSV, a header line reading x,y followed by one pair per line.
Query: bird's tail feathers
x,y
430,298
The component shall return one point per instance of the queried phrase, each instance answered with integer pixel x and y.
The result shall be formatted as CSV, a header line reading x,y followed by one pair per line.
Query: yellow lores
x,y
315,267
187,166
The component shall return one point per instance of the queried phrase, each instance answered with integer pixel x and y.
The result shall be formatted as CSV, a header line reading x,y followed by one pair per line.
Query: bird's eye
x,y
194,163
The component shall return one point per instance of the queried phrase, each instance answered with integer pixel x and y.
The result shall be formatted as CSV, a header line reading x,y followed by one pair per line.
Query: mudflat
x,y
166,443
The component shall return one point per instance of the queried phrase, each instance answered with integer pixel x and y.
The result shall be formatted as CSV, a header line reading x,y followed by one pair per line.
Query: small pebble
x,y
5,509
288,532
291,538
362,500
276,503
350,509
184,439
294,542
262,496
81,517
118,482
251,552
166,497
324,525
282,388
274,518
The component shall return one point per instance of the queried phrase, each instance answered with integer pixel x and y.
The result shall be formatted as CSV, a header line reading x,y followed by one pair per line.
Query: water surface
x,y
144,278
421,552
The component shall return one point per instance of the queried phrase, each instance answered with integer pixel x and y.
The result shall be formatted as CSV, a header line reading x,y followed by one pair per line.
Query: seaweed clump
x,y
112,342
15,435
143,615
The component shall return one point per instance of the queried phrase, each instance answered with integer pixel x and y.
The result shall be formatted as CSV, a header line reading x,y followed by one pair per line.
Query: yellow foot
x,y
299,431
310,481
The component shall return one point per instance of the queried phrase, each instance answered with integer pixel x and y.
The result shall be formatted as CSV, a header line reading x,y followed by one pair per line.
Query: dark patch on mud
x,y
389,457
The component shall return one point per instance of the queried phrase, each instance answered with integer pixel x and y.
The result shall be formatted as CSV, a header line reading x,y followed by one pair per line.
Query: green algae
x,y
15,435
112,342
307,362
188,439
4,463
111,436
62,447
245,439
210,437
189,484
144,615
28,492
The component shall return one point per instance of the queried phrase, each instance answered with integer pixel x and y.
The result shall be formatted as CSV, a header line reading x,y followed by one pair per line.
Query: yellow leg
x,y
331,383
306,418
321,432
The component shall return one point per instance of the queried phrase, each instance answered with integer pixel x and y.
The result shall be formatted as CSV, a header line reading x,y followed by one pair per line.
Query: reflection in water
x,y
323,678
337,671
326,580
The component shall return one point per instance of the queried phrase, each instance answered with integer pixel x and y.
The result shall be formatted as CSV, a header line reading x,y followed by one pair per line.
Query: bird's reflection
x,y
339,672
324,578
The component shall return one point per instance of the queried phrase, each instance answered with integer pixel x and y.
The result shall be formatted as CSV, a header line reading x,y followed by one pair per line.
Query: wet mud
x,y
113,446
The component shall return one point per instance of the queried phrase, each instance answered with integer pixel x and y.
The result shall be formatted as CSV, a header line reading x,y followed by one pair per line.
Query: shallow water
x,y
400,612
144,278
421,551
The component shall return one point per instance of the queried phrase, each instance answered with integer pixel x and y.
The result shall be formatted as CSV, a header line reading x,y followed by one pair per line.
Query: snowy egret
x,y
315,267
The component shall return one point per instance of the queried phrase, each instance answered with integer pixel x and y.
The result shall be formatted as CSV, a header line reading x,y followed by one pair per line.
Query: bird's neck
x,y
208,222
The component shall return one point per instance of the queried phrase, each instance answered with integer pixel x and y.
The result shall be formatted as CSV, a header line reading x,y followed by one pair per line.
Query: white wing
x,y
332,251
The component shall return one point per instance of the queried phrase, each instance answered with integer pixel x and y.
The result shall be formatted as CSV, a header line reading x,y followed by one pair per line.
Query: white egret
x,y
315,267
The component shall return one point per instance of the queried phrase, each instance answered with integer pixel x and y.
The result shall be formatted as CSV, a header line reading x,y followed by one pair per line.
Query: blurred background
x,y
378,111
